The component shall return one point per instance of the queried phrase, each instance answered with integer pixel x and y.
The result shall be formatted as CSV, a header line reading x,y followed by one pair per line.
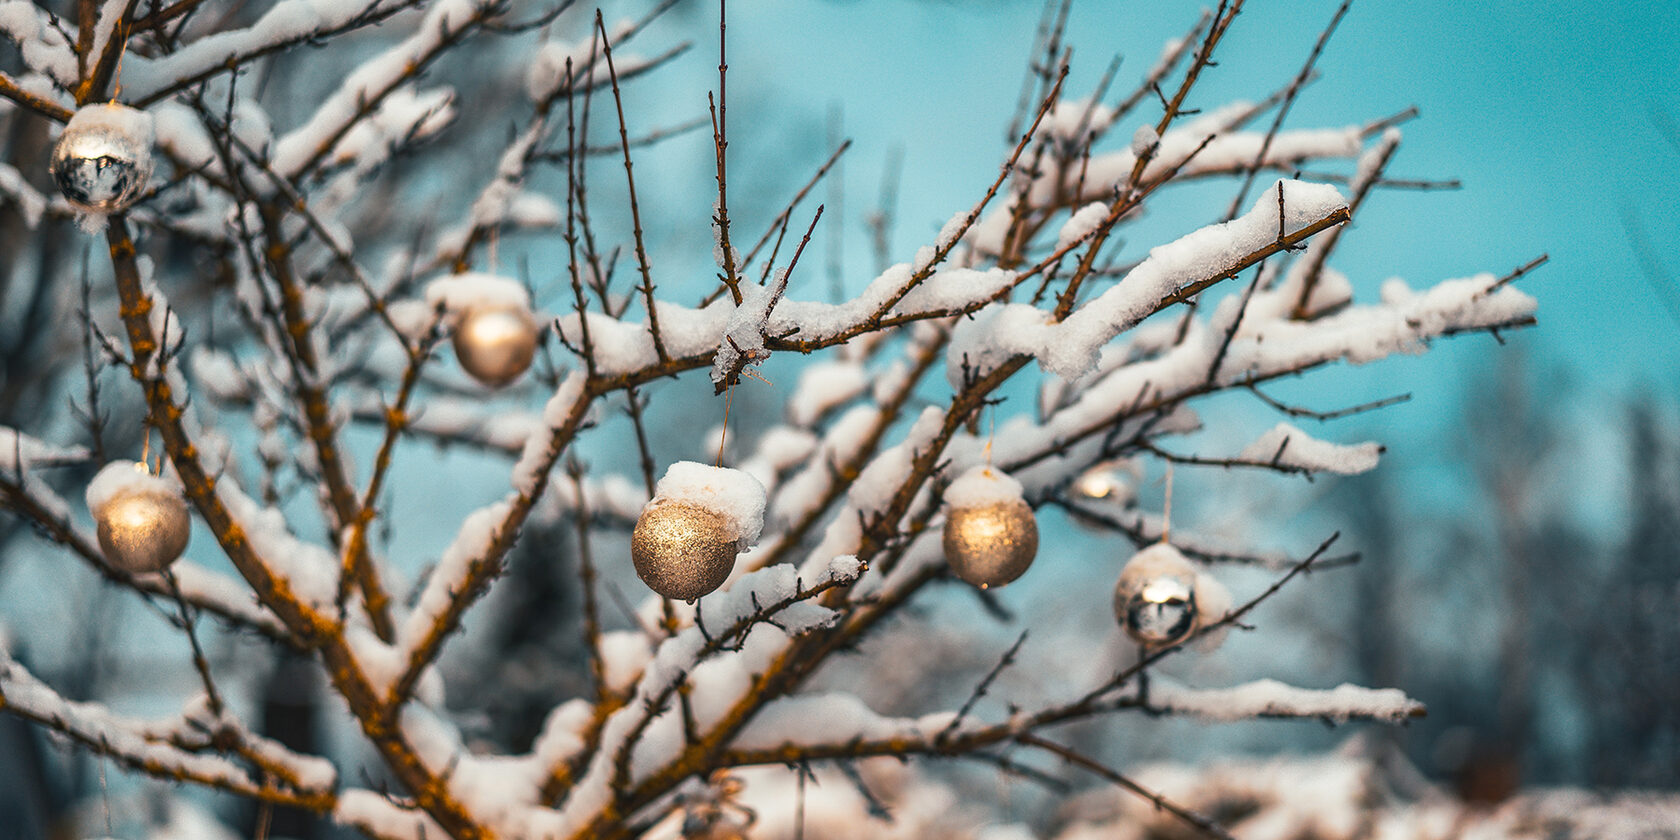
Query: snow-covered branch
x,y
142,747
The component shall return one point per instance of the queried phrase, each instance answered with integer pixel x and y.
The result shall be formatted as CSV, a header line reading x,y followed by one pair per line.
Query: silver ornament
x,y
143,529
103,159
1155,598
992,544
682,550
495,344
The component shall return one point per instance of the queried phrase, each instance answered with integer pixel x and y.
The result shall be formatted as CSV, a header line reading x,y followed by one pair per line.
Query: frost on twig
x,y
1288,447
1270,698
161,750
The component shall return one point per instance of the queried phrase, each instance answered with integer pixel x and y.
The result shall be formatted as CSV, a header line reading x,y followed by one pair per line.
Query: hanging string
x,y
105,798
265,813
122,50
723,434
1166,516
799,804
728,398
146,451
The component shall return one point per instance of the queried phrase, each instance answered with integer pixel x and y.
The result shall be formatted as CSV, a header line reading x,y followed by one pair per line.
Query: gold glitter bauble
x,y
992,544
99,164
682,550
1155,598
495,344
143,530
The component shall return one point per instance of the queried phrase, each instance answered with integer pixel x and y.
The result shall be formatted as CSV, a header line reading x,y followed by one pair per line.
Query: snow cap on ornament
x,y
102,160
495,333
991,535
700,518
143,523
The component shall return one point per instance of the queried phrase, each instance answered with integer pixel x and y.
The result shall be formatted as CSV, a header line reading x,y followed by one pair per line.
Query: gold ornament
x,y
103,159
1155,598
991,544
495,344
682,550
143,525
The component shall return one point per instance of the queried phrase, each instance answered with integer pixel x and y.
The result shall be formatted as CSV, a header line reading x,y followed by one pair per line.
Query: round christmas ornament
x,y
103,158
1113,482
143,521
700,518
496,344
495,333
991,535
1155,599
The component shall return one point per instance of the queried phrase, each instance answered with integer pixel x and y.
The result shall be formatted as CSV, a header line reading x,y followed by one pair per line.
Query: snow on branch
x,y
1144,529
20,492
21,452
1171,272
1287,447
502,201
1270,698
1261,350
786,723
308,572
30,203
743,335
286,24
453,570
133,743
475,556
43,47
625,349
365,88
737,634
377,815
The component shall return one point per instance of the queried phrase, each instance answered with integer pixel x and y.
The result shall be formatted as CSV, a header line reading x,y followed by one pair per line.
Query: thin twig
x,y
635,209
1283,110
1191,818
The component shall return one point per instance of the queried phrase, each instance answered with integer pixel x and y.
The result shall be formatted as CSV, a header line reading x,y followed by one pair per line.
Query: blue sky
x,y
1543,109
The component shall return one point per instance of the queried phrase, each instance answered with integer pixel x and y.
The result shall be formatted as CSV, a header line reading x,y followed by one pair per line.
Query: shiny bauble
x,y
143,523
496,343
992,544
1155,598
682,550
103,158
